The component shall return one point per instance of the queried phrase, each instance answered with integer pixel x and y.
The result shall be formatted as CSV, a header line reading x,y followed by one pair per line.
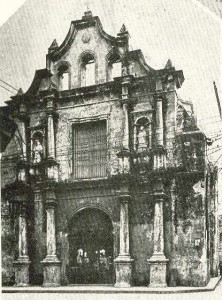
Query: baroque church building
x,y
105,180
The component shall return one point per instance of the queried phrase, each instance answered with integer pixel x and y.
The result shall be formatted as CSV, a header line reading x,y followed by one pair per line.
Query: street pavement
x,y
212,295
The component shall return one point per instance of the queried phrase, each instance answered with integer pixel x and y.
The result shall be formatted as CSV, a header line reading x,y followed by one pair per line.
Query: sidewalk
x,y
109,289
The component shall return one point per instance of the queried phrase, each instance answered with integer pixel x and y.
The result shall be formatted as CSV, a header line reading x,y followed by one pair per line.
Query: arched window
x,y
114,67
143,134
63,77
88,70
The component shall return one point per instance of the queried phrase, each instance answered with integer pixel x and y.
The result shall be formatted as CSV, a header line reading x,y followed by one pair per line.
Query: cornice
x,y
84,184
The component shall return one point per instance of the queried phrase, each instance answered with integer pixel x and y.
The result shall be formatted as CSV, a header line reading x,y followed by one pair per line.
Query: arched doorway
x,y
90,248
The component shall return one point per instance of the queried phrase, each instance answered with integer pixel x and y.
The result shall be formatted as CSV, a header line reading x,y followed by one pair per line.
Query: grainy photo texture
x,y
111,149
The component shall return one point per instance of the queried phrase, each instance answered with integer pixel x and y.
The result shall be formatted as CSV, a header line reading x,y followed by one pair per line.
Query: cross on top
x,y
87,4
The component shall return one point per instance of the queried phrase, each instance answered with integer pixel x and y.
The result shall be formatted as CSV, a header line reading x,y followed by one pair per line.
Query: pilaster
x,y
51,163
21,265
22,116
123,263
38,231
159,121
51,264
50,101
125,100
173,262
159,153
158,261
22,166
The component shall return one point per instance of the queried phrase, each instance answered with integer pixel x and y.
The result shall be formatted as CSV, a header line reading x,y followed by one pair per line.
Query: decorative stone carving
x,y
123,29
37,151
86,38
141,138
124,71
37,147
180,118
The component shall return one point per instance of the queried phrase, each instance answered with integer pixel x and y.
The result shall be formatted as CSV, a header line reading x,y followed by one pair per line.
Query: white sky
x,y
182,30
7,8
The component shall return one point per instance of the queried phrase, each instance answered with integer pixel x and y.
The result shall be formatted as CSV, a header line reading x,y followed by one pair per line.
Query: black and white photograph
x,y
111,149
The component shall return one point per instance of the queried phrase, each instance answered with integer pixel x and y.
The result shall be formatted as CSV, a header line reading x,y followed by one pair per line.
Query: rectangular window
x,y
89,150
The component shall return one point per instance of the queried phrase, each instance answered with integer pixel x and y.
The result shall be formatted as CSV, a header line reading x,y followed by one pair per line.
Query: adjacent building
x,y
105,180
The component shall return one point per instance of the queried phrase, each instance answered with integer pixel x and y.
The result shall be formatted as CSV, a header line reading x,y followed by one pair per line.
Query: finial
x,y
87,13
123,29
168,64
20,92
87,5
53,46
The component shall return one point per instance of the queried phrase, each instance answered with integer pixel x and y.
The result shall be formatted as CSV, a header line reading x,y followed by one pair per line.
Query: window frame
x,y
63,68
82,64
102,118
111,59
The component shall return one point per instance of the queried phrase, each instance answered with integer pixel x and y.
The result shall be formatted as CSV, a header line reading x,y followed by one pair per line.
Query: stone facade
x,y
102,134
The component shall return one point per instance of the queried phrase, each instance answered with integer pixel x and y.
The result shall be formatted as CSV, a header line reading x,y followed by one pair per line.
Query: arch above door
x,y
90,247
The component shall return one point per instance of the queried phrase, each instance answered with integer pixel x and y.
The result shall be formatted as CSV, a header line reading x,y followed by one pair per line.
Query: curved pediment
x,y
40,75
87,21
41,81
138,56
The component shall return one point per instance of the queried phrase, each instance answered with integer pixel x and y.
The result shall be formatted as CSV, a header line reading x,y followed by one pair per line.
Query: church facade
x,y
105,180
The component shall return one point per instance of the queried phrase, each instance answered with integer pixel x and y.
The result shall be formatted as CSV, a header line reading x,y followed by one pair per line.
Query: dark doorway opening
x,y
90,248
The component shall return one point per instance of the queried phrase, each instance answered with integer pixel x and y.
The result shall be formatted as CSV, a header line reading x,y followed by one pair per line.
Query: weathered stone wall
x,y
212,219
185,237
8,224
10,157
110,111
136,68
220,243
8,245
96,45
141,233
